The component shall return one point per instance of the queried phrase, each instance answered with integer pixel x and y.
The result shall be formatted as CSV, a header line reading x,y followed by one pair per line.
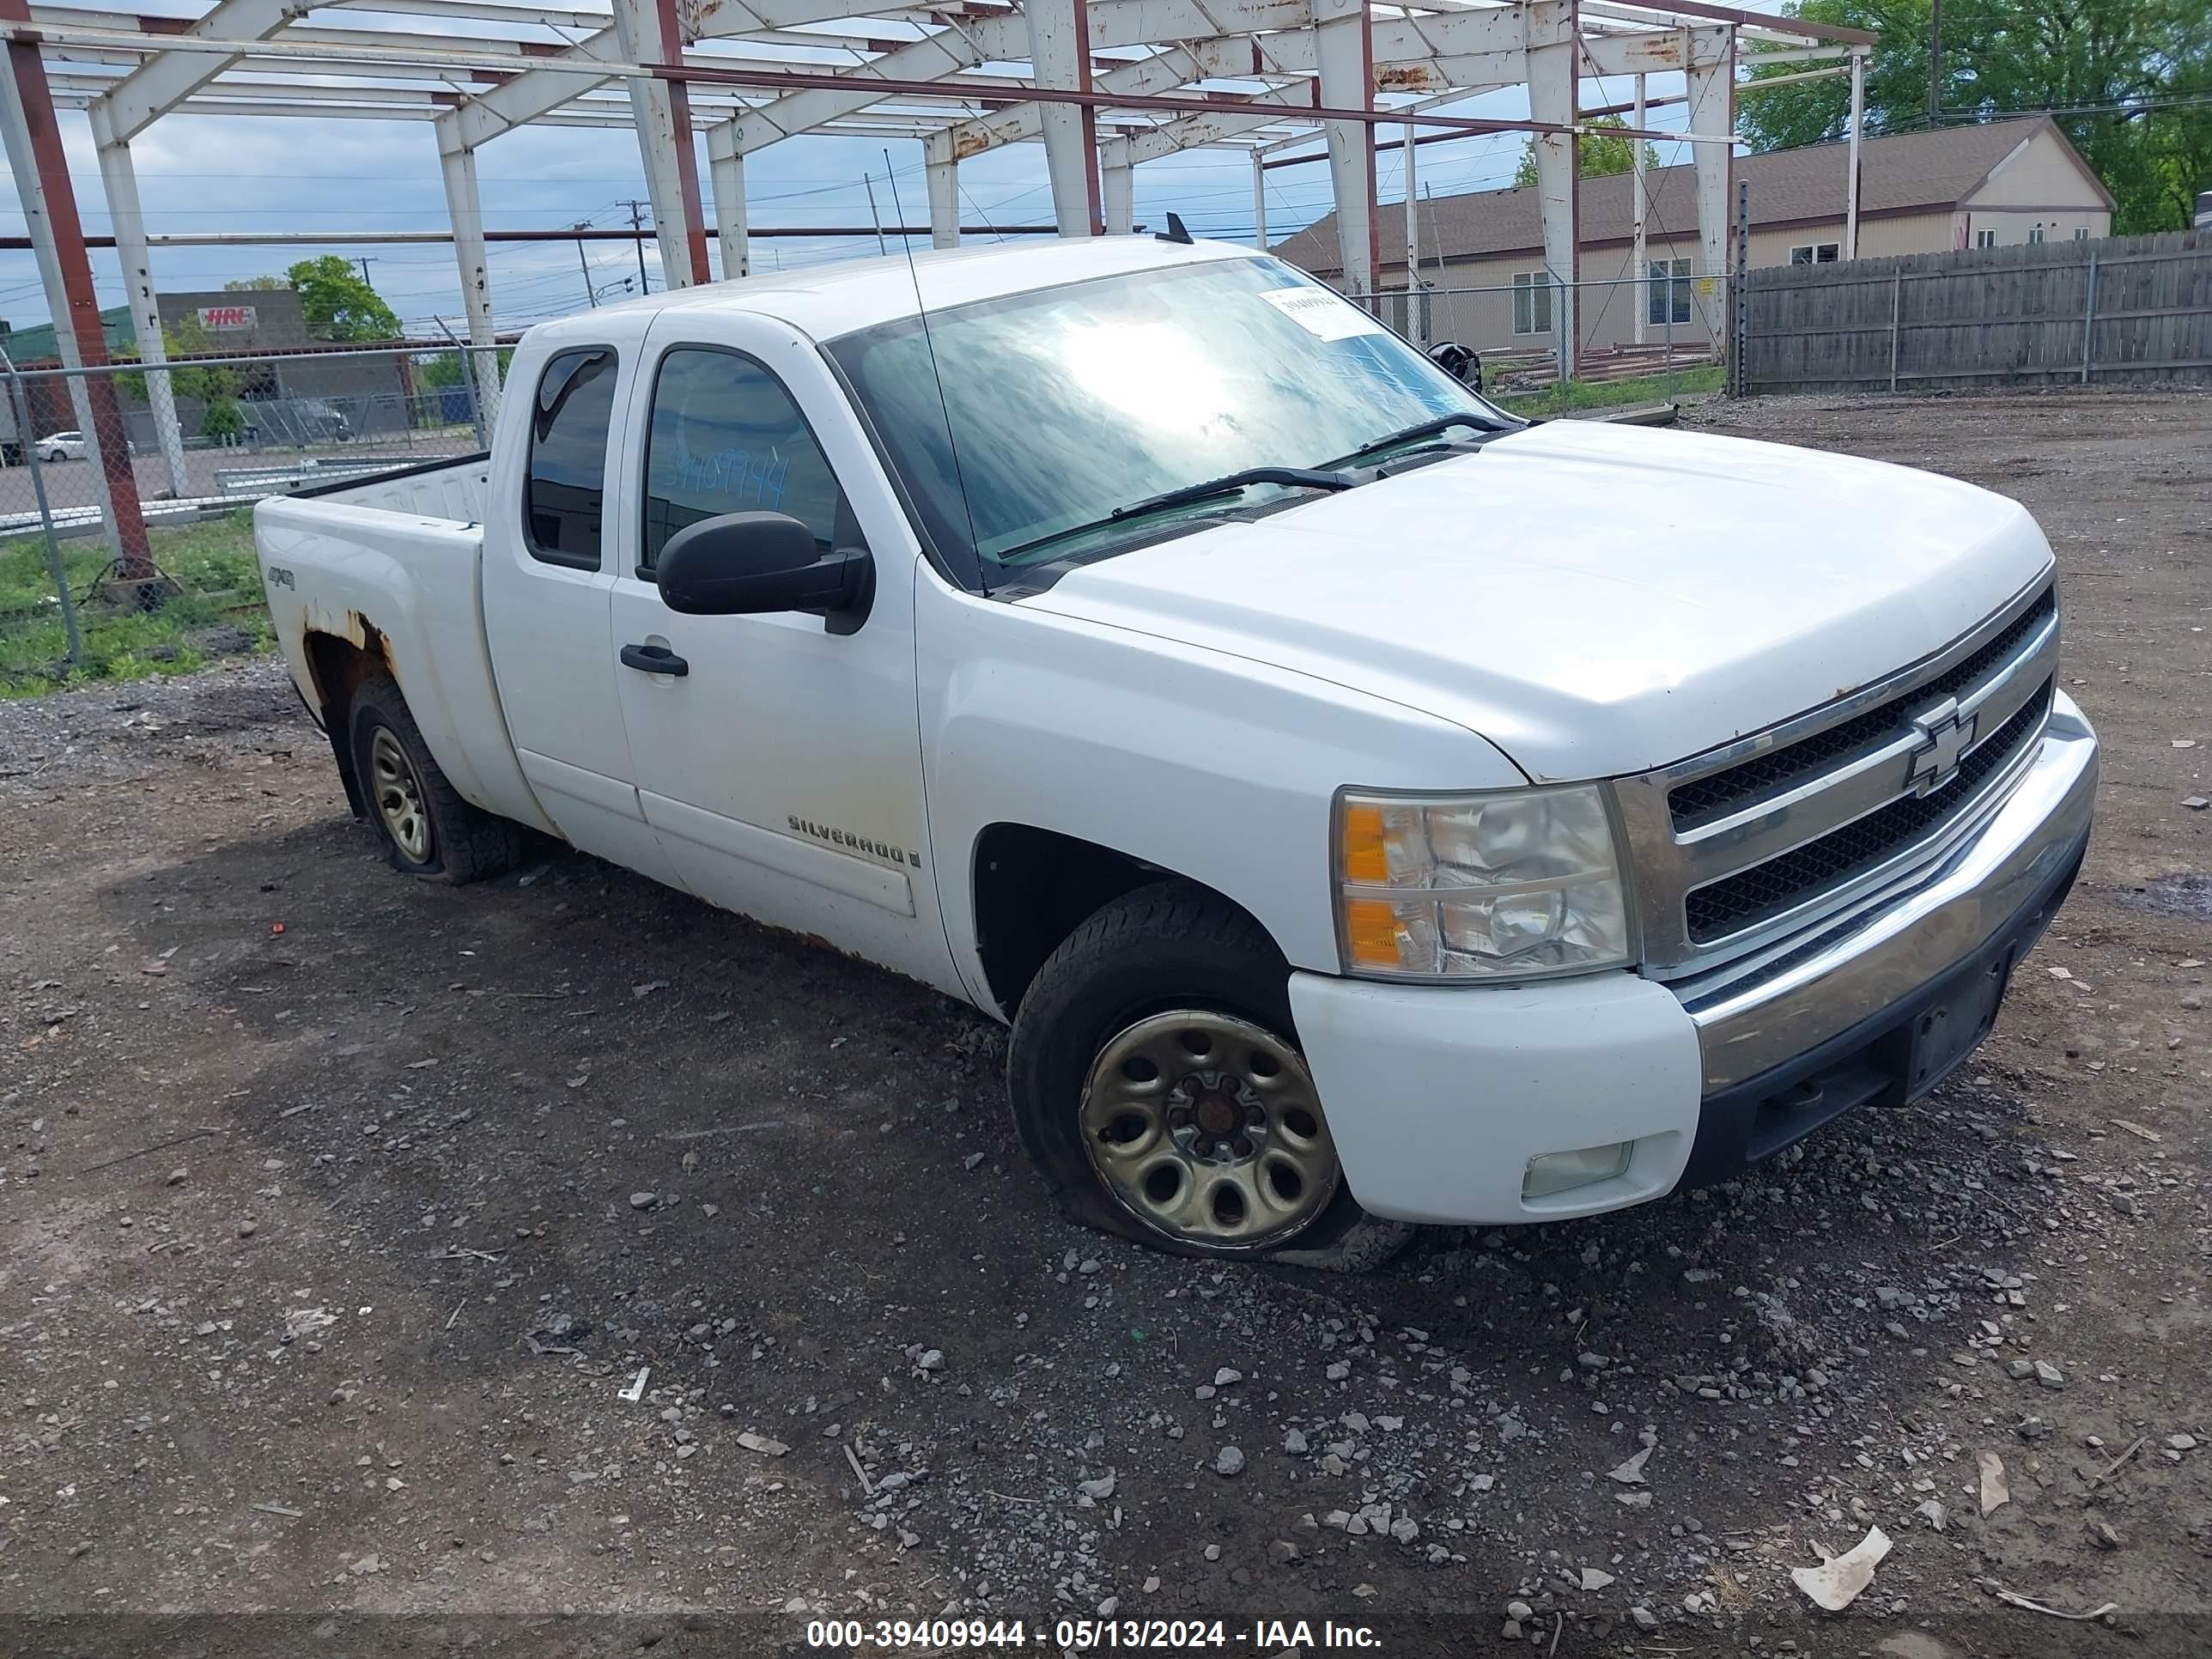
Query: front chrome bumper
x,y
1439,1096
1832,984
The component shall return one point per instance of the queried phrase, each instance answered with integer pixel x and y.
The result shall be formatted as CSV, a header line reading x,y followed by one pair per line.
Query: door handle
x,y
654,659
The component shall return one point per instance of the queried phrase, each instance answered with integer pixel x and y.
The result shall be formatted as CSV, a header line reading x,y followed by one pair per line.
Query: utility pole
x,y
585,266
637,223
1935,63
881,247
364,261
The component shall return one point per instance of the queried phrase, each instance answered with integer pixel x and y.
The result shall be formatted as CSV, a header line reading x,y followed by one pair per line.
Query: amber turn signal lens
x,y
1364,859
1370,933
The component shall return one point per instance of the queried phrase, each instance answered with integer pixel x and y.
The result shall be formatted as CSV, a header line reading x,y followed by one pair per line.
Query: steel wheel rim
x,y
1207,1129
398,796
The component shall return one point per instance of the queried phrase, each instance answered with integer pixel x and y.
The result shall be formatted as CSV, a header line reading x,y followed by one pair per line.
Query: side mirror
x,y
747,563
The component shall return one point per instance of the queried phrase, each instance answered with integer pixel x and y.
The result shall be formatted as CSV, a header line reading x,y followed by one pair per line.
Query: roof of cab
x,y
827,300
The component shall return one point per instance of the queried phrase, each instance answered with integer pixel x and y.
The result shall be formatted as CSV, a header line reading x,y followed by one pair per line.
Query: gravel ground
x,y
558,1266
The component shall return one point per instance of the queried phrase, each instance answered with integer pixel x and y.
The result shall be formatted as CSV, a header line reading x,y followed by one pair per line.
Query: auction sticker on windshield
x,y
1321,313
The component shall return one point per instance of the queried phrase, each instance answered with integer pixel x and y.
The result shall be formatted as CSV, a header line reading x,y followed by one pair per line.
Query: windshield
x,y
1071,402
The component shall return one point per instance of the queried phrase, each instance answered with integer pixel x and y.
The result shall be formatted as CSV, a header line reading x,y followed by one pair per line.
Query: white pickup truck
x,y
1367,808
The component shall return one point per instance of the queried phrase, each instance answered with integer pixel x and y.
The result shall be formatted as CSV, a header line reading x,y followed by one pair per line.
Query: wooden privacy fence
x,y
2039,314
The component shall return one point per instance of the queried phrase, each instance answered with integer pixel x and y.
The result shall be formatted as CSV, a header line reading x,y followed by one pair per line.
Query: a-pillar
x,y
1553,57
33,140
1118,175
1344,50
1060,54
1711,86
465,212
649,32
943,172
726,173
120,180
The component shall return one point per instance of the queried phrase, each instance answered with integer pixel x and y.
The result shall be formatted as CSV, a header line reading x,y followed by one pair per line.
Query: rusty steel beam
x,y
35,101
1193,104
596,234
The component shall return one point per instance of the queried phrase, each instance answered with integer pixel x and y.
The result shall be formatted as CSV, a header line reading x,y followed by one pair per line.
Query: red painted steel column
x,y
137,562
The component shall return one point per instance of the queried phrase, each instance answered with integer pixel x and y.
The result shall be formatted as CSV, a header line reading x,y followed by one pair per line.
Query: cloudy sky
x,y
277,175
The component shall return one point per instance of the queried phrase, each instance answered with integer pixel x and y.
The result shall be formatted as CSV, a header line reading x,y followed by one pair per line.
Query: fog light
x,y
1560,1172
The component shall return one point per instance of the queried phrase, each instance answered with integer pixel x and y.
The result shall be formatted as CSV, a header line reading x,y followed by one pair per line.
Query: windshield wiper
x,y
1429,429
1295,477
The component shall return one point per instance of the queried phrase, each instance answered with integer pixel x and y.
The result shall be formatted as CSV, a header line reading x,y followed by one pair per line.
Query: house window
x,y
1815,253
1985,238
1666,299
1532,302
2080,232
2035,232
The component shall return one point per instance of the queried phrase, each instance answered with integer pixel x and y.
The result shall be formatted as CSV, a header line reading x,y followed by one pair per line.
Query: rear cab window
x,y
565,488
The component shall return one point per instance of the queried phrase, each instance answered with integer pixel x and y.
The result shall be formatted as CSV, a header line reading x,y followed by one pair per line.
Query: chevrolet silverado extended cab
x,y
1366,808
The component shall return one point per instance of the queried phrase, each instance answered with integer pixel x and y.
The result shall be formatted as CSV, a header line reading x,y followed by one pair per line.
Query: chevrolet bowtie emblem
x,y
1942,738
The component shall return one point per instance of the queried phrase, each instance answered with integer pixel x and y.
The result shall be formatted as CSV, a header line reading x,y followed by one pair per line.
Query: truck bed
x,y
450,489
390,566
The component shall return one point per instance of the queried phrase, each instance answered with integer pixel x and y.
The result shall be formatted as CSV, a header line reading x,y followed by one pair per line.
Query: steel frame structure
x,y
1105,85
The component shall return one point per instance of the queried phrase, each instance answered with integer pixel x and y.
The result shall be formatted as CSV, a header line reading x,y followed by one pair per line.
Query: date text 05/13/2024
x,y
1087,1635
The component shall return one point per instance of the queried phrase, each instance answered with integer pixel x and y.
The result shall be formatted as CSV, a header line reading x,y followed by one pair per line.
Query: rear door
x,y
783,766
548,582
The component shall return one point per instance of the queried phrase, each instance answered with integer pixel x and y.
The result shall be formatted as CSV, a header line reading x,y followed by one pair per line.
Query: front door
x,y
783,766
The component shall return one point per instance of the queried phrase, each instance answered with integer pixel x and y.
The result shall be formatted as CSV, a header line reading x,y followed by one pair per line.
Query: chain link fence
x,y
1625,328
126,540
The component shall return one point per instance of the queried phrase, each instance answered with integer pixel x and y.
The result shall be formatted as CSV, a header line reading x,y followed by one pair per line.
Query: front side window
x,y
567,487
1532,302
727,438
1067,403
1669,300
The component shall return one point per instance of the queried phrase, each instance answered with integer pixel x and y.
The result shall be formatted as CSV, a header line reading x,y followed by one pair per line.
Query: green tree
x,y
253,284
2110,70
1601,153
338,304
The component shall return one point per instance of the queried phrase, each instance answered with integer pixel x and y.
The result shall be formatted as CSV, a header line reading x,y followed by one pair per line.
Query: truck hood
x,y
1594,600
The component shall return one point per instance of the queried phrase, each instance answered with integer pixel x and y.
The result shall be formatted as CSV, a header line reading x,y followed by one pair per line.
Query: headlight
x,y
1505,886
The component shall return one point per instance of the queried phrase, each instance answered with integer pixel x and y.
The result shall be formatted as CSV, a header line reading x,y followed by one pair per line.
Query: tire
x,y
57,458
425,827
1173,972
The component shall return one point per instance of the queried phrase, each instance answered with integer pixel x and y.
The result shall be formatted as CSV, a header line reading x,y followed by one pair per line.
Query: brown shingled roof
x,y
1904,172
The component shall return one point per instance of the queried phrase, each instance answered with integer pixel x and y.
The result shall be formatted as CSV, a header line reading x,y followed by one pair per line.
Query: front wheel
x,y
54,456
1156,1078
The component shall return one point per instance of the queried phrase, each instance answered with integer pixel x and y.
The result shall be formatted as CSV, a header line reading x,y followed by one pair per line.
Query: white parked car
x,y
61,447
1366,808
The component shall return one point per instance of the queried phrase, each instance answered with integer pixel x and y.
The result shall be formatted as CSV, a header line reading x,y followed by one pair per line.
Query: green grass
x,y
212,562
1615,394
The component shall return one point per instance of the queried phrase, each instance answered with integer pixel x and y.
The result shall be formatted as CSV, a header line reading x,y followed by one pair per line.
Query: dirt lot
x,y
342,1216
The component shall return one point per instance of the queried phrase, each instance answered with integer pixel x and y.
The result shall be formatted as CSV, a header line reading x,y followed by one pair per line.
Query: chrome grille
x,y
1747,844
1707,798
1752,895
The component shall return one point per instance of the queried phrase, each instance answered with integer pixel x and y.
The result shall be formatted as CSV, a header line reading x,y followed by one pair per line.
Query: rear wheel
x,y
427,829
1156,1078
